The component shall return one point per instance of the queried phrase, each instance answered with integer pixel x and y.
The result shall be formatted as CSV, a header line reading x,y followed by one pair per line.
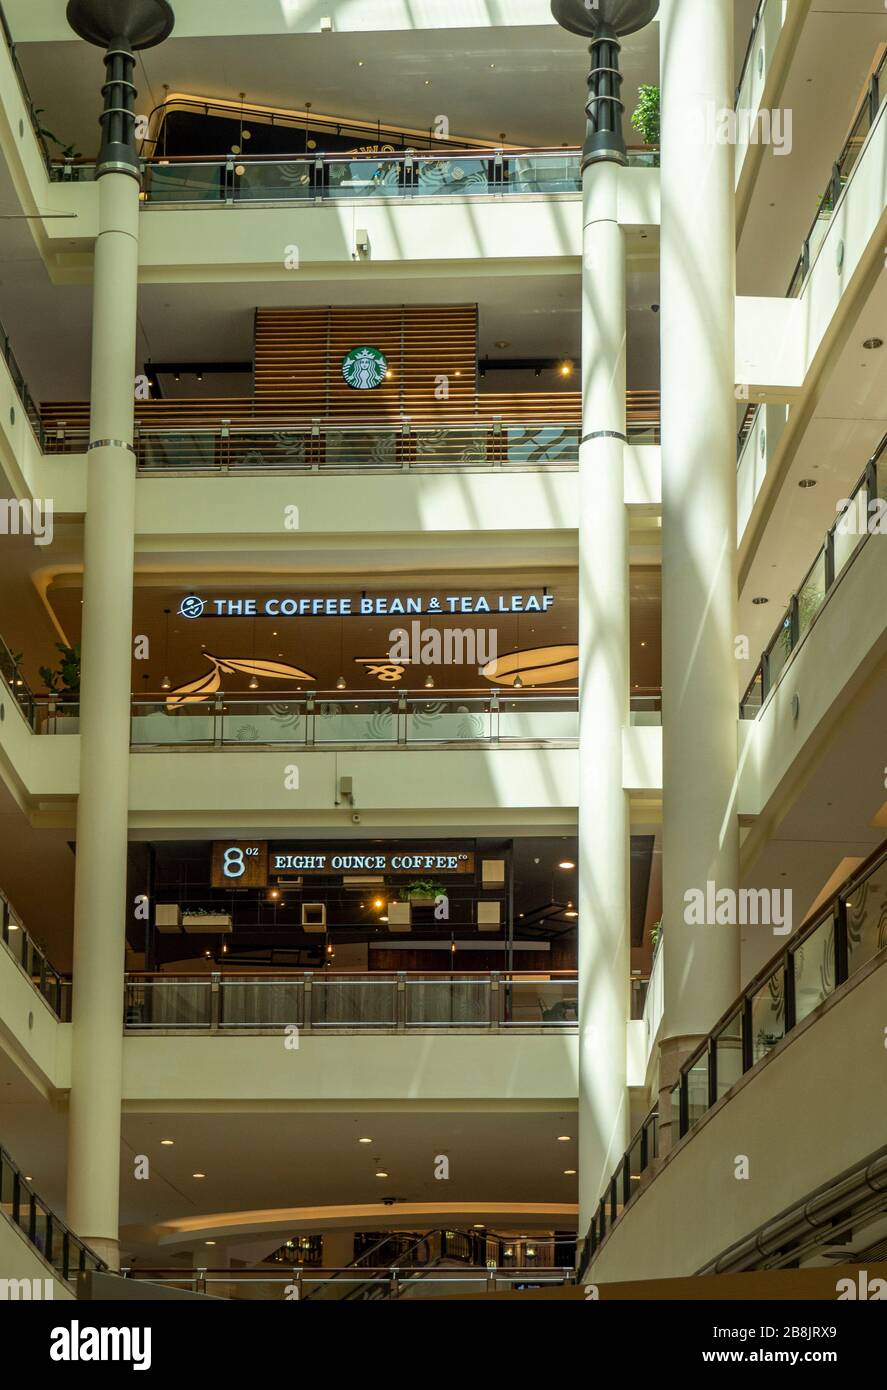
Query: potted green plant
x,y
422,890
63,685
646,117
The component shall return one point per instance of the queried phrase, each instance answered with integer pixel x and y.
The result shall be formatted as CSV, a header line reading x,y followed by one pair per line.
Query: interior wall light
x,y
166,683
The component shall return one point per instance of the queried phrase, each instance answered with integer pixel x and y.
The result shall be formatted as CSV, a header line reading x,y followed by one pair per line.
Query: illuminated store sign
x,y
247,864
397,606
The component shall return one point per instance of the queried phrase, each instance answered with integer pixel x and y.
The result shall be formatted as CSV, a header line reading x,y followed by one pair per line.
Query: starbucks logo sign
x,y
364,368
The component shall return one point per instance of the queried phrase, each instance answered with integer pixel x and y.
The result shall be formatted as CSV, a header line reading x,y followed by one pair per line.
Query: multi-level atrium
x,y
443,654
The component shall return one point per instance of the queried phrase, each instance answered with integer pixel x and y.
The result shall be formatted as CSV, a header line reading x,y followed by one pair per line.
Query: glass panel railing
x,y
45,1232
33,962
768,1015
184,183
698,1088
814,969
327,999
813,962
848,533
356,720
332,177
540,999
811,595
446,1002
354,1002
154,722
450,721
780,650
851,527
168,1002
728,1054
842,171
866,911
261,1003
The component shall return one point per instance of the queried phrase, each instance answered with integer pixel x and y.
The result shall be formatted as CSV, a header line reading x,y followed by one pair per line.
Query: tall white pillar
x,y
603,955
100,907
699,712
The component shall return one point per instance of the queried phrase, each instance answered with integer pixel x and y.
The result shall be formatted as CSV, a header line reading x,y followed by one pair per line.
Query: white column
x,y
700,829
102,811
603,697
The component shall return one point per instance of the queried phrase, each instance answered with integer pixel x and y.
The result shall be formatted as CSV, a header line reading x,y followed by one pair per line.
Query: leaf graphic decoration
x,y
250,666
535,666
196,691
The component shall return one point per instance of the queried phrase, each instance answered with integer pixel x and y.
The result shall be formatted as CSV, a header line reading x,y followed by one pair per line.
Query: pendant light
x,y
517,683
429,681
253,680
166,683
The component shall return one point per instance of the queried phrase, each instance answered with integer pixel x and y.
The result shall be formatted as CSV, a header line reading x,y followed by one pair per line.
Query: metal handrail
x,y
749,48
782,966
795,624
321,1000
868,110
50,1237
398,168
53,987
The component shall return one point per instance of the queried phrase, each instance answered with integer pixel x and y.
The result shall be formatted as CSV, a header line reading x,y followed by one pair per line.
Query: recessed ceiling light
x,y
566,864
807,482
760,600
564,1138
571,914
569,1172
167,1143
364,1141
381,1174
28,1177
209,1242
479,1226
198,1175
872,344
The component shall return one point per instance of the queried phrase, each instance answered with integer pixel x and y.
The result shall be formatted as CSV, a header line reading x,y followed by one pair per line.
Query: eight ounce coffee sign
x,y
364,368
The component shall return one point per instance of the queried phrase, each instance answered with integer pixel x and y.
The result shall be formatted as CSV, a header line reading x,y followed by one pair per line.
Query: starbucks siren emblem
x,y
364,368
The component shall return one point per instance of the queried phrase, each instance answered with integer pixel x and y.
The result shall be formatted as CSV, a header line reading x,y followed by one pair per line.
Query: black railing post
x,y
842,944
789,988
794,614
829,550
747,1048
874,99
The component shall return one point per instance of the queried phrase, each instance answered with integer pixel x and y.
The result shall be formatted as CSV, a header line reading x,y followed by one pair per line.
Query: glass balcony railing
x,y
859,520
319,720
45,1231
842,171
844,935
487,430
318,1001
30,958
365,1283
325,178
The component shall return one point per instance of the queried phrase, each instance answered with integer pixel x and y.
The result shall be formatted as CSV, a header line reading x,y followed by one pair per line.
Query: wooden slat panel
x,y
299,356
182,413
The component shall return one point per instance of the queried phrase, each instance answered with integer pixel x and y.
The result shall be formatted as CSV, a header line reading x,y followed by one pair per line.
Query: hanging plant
x,y
204,686
645,117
